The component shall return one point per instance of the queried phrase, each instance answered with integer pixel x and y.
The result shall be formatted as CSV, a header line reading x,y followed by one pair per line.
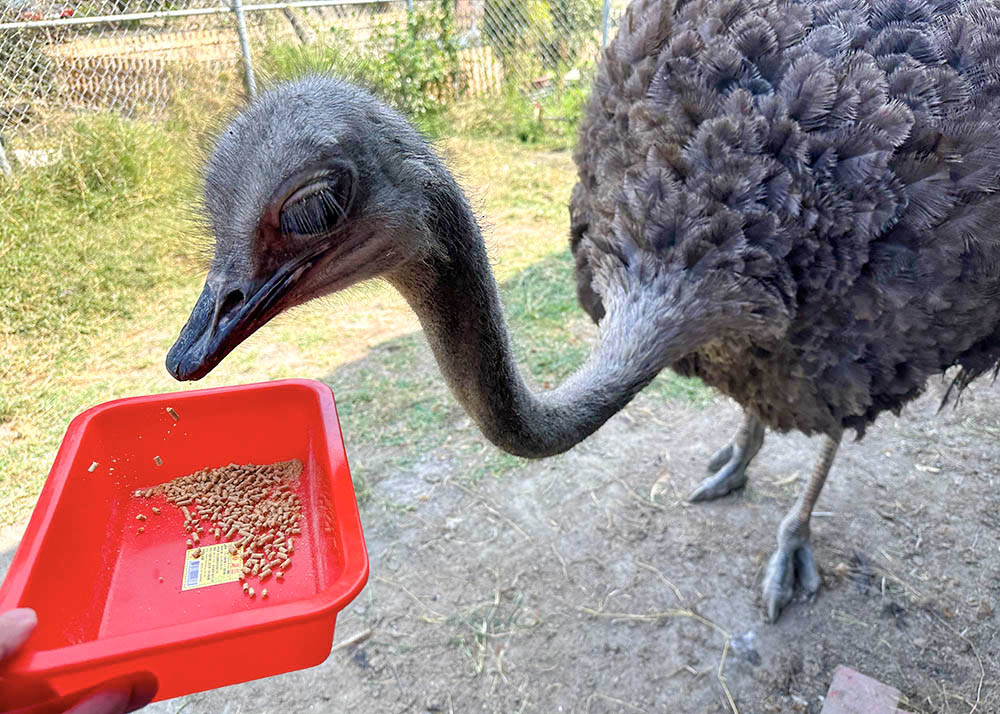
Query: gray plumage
x,y
843,155
795,201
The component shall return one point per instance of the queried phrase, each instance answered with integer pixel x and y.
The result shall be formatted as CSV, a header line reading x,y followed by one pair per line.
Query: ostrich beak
x,y
228,311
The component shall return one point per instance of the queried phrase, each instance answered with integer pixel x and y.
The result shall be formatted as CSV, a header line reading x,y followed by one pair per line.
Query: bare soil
x,y
561,587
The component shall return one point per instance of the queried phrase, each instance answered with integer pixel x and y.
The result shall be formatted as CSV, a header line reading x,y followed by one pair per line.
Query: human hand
x,y
120,695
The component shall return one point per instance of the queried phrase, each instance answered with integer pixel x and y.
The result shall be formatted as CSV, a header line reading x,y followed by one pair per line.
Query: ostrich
x,y
796,201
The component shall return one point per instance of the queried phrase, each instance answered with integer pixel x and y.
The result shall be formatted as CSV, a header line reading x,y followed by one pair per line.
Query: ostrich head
x,y
317,186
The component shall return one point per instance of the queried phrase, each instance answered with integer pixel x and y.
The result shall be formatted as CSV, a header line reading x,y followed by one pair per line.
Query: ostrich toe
x,y
791,563
729,463
720,458
727,478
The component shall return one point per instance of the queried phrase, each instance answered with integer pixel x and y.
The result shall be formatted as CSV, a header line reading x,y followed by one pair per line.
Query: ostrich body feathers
x,y
843,153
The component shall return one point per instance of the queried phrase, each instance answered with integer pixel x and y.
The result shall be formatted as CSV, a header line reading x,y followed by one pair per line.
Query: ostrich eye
x,y
317,207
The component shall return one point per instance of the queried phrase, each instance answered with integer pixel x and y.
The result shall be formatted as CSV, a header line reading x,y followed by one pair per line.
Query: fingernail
x,y
19,618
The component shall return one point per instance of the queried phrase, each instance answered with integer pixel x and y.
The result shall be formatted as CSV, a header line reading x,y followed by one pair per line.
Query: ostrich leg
x,y
794,557
730,462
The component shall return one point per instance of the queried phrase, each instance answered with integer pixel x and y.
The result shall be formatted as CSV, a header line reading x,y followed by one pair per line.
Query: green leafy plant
x,y
418,69
411,63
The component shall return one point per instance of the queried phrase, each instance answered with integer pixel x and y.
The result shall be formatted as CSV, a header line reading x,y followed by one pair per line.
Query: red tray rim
x,y
109,650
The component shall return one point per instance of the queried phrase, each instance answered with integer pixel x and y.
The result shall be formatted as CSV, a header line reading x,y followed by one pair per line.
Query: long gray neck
x,y
455,297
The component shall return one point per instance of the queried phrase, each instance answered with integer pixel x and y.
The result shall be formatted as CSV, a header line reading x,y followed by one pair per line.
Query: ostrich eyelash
x,y
313,214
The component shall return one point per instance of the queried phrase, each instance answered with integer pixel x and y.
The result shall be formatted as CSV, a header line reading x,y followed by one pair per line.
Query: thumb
x,y
15,628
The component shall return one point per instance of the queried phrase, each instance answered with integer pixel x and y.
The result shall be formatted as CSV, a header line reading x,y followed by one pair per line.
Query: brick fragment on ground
x,y
854,693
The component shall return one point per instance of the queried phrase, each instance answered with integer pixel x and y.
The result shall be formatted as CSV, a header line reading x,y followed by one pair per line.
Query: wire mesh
x,y
61,57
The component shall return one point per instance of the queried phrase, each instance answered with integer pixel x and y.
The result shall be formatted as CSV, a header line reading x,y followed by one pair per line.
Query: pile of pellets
x,y
252,507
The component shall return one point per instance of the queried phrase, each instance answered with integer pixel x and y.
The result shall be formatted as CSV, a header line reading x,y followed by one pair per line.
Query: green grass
x,y
112,178
101,267
548,121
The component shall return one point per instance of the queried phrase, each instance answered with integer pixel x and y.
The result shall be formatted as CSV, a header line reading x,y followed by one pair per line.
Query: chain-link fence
x,y
60,57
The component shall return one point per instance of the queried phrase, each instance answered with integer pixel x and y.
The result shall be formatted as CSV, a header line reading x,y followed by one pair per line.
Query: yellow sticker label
x,y
215,565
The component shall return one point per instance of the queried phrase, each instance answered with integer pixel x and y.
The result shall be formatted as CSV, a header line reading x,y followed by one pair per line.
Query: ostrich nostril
x,y
234,300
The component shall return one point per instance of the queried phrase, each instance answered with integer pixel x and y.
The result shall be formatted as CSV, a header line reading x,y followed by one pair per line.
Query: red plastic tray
x,y
95,581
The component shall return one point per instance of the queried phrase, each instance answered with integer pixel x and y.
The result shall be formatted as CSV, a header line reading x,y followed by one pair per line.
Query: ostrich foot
x,y
792,561
730,462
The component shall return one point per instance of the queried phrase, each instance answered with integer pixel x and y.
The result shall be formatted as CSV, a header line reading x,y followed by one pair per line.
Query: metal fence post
x,y
605,17
241,30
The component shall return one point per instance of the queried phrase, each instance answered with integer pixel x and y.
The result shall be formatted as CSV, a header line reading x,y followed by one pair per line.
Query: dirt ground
x,y
561,587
